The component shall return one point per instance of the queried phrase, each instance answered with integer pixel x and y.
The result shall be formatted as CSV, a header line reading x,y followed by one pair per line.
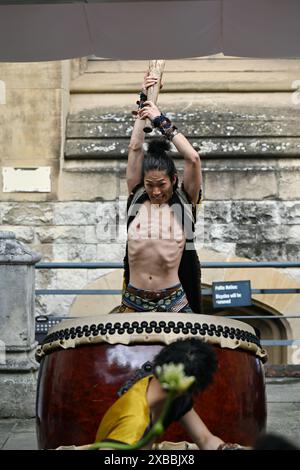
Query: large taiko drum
x,y
85,361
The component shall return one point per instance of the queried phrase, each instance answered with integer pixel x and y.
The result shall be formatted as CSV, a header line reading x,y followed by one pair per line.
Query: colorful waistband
x,y
153,294
166,300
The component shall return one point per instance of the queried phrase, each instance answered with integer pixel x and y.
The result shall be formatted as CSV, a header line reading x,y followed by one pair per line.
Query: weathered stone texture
x,y
110,252
292,213
23,234
60,234
74,213
217,212
263,251
71,278
230,233
91,186
45,250
54,304
27,110
293,234
239,185
27,214
258,228
83,252
289,185
272,233
31,75
18,392
253,212
293,251
265,131
46,278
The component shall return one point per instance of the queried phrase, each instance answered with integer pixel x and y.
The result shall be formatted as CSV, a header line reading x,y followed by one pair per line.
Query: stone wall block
x,y
220,247
289,185
45,278
45,250
74,213
239,185
28,214
27,110
217,212
106,212
214,232
271,233
121,233
293,234
256,212
293,252
55,304
82,253
292,212
60,252
107,215
110,252
2,209
106,232
18,392
32,75
90,234
262,251
71,278
121,210
83,186
231,233
41,305
23,234
61,234
200,229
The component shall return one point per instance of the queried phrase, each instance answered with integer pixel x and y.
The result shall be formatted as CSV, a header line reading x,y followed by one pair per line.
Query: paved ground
x,y
283,399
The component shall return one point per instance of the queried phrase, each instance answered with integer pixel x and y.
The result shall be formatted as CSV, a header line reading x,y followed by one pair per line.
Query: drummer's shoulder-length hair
x,y
198,358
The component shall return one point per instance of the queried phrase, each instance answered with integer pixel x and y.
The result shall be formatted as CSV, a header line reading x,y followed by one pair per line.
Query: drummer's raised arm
x,y
135,155
135,148
192,175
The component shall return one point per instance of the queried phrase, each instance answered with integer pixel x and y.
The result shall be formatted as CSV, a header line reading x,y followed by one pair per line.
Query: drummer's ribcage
x,y
155,238
154,222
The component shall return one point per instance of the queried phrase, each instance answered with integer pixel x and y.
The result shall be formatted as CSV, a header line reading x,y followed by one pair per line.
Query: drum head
x,y
152,327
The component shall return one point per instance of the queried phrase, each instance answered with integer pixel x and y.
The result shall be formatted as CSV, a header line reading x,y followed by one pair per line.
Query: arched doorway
x,y
268,328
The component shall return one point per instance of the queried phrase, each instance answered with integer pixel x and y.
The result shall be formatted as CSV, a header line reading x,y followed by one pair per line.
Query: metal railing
x,y
205,291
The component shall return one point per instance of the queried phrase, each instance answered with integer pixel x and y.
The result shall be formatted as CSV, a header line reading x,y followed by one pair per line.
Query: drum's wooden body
x,y
82,370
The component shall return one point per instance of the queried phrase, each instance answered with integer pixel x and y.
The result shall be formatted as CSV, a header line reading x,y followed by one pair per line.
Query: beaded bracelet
x,y
165,126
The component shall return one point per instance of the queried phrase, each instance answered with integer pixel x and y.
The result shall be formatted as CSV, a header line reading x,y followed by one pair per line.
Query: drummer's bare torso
x,y
155,245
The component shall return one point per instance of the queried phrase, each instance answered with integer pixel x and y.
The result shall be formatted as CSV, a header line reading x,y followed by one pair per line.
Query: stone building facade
x,y
64,131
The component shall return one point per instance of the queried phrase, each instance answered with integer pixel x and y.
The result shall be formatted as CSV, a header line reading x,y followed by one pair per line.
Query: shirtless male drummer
x,y
162,269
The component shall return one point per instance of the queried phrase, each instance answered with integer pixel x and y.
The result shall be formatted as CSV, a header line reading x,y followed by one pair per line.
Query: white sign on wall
x,y
28,180
2,92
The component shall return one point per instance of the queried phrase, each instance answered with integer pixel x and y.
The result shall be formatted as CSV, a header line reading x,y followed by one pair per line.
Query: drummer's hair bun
x,y
198,359
159,147
158,159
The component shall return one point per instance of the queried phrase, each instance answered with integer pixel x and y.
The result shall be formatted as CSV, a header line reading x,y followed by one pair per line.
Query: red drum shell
x,y
76,387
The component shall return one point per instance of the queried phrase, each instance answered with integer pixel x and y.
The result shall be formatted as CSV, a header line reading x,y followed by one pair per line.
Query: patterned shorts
x,y
172,299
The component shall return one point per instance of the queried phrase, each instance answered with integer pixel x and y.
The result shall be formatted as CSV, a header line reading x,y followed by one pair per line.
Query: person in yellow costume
x,y
132,415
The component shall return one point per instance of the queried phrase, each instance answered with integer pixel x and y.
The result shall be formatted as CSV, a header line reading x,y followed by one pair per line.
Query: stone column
x,y
18,368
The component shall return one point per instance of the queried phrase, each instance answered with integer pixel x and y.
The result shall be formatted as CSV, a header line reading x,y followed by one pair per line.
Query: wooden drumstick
x,y
156,68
